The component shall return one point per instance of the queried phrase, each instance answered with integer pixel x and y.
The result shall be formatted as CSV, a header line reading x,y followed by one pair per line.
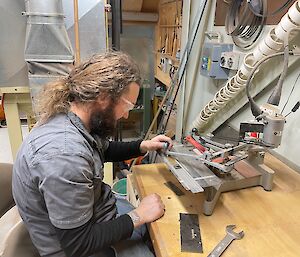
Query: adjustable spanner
x,y
230,236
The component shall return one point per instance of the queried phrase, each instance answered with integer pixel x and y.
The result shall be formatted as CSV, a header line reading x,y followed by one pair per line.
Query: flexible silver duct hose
x,y
48,50
271,44
46,36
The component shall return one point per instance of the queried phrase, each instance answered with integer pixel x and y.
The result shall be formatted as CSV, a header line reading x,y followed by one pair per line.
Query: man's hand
x,y
150,209
155,143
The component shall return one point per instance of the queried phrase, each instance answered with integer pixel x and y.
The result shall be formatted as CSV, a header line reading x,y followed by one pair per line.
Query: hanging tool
x,y
226,241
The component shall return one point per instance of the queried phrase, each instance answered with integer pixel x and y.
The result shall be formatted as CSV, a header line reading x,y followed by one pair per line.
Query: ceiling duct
x,y
48,27
48,51
46,36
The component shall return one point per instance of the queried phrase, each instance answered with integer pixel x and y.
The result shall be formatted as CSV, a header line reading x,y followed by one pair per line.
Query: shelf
x,y
170,1
174,59
163,77
168,36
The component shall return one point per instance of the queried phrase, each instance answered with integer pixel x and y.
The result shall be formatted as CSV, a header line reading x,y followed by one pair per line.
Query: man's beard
x,y
103,123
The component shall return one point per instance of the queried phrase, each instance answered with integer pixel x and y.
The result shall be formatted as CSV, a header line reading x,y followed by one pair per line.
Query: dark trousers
x,y
136,246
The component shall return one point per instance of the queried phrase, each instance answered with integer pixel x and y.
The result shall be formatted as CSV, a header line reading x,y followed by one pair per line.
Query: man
x,y
57,179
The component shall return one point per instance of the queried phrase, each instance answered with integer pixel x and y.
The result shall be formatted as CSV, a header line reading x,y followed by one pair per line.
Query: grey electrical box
x,y
211,60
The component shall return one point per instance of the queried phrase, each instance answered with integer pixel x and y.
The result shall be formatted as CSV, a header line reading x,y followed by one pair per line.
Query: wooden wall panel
x,y
167,36
132,5
140,5
150,6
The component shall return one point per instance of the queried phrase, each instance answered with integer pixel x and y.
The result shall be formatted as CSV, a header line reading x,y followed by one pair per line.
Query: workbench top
x,y
270,220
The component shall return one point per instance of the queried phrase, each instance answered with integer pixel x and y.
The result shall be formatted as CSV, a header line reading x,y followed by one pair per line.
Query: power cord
x,y
255,109
295,108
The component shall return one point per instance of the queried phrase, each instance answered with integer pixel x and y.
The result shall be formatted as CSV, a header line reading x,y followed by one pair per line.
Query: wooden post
x,y
76,31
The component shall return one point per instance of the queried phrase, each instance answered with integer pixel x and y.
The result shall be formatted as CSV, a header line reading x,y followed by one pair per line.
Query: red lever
x,y
197,145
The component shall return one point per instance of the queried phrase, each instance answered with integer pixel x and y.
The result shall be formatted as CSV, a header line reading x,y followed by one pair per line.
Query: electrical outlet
x,y
211,60
230,60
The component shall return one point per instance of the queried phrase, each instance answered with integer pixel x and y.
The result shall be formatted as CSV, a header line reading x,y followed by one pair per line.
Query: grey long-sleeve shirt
x,y
57,181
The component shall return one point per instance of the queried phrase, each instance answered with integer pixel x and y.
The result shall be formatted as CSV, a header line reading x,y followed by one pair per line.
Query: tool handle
x,y
166,146
200,147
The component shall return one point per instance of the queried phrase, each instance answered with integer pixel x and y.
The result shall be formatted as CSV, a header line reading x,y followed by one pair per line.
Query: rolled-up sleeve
x,y
67,188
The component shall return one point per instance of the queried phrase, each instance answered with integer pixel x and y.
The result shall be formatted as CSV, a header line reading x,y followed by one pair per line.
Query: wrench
x,y
230,236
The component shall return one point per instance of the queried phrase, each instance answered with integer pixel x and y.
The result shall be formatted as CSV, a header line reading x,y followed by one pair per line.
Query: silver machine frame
x,y
198,173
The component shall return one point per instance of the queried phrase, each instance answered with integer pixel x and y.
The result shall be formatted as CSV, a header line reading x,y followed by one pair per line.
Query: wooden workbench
x,y
270,220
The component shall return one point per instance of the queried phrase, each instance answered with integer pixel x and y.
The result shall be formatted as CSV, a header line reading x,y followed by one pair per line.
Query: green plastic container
x,y
120,187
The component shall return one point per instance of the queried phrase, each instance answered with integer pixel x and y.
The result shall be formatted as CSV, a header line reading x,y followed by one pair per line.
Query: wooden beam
x,y
76,32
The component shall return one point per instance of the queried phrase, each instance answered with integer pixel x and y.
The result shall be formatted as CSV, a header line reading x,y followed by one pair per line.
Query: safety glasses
x,y
130,105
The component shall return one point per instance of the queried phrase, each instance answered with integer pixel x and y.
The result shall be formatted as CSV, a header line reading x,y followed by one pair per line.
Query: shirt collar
x,y
77,122
94,140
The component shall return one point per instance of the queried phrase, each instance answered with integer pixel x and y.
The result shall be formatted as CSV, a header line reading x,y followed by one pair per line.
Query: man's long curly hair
x,y
107,74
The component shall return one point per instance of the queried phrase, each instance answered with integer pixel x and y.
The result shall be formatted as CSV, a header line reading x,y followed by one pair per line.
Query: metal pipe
x,y
116,24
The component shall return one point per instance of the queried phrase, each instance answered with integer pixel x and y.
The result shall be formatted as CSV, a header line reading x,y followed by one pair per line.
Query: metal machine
x,y
201,164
